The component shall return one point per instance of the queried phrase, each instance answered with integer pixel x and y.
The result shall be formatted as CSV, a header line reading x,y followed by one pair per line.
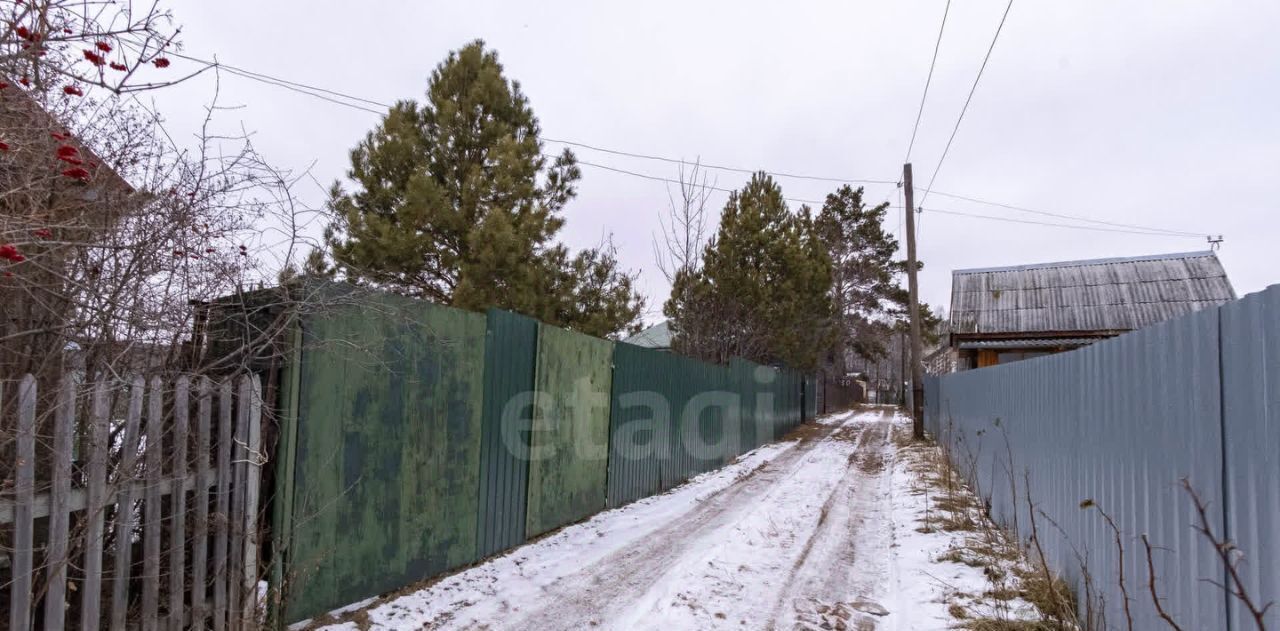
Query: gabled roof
x,y
1100,295
656,336
25,123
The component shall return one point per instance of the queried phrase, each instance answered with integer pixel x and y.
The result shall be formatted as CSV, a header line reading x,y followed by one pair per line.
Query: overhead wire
x,y
358,103
1057,225
319,92
657,178
928,80
1046,213
967,100
715,167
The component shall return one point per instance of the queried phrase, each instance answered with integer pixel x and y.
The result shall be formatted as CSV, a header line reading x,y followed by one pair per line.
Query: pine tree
x,y
863,269
456,203
762,292
867,300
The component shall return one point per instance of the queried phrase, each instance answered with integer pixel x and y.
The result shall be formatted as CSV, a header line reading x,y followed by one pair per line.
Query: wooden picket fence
x,y
97,485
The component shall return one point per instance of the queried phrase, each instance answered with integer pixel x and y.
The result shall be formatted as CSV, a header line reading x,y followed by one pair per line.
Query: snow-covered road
x,y
798,534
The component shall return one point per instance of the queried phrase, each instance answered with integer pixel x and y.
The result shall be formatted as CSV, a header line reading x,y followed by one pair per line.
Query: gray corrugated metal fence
x,y
1122,423
1251,433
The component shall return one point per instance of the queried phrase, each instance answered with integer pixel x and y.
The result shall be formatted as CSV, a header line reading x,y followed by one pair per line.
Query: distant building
x,y
941,361
1005,314
656,337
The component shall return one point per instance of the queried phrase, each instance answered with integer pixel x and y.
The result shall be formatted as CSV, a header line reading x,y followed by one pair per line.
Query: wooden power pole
x,y
917,362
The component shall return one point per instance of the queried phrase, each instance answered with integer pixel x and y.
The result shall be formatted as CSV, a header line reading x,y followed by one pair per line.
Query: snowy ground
x,y
824,531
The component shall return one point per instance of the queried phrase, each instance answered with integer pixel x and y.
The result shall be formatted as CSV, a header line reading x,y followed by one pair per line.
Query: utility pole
x,y
917,365
902,370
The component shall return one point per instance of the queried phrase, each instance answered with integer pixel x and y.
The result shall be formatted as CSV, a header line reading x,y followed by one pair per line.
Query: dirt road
x,y
795,535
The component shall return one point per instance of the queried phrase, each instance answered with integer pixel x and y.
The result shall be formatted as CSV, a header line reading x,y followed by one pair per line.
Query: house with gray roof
x,y
1005,314
656,337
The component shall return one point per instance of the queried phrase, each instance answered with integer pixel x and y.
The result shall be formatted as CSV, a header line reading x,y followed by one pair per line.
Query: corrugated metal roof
x,y
1031,342
656,336
1098,295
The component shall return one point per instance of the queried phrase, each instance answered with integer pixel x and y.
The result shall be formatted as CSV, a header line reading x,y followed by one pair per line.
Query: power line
x,y
1180,233
1058,225
319,92
964,109
335,97
1154,232
928,80
266,78
642,156
671,181
299,90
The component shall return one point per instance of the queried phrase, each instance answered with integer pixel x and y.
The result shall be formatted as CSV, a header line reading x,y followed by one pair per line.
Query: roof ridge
x,y
1088,262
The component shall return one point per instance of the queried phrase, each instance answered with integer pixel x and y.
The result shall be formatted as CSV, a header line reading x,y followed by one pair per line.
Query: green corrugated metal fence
x,y
388,441
511,345
639,423
675,417
568,461
810,397
422,438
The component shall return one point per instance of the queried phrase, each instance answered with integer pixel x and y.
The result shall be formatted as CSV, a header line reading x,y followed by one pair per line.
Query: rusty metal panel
x,y
388,445
1251,422
511,342
568,460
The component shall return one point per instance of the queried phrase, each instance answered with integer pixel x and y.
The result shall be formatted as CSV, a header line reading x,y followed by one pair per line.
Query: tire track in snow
x,y
831,580
607,589
732,578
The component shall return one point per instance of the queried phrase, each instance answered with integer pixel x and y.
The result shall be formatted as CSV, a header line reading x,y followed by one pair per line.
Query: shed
x,y
1004,314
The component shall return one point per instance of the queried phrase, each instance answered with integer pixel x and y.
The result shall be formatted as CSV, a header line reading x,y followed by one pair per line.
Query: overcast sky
x,y
1157,113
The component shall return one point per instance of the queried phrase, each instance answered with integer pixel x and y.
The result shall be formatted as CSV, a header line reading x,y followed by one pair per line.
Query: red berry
x,y
77,173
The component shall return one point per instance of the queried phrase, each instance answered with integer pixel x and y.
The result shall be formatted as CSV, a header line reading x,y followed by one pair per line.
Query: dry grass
x,y
998,624
1049,593
1012,578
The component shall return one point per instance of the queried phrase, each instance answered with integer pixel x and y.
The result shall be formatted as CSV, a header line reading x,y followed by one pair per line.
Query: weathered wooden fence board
x,y
56,557
90,610
239,467
200,538
153,469
250,391
24,486
178,525
124,506
222,505
148,475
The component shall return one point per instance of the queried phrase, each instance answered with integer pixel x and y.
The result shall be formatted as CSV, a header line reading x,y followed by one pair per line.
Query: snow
x,y
819,532
523,573
922,586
